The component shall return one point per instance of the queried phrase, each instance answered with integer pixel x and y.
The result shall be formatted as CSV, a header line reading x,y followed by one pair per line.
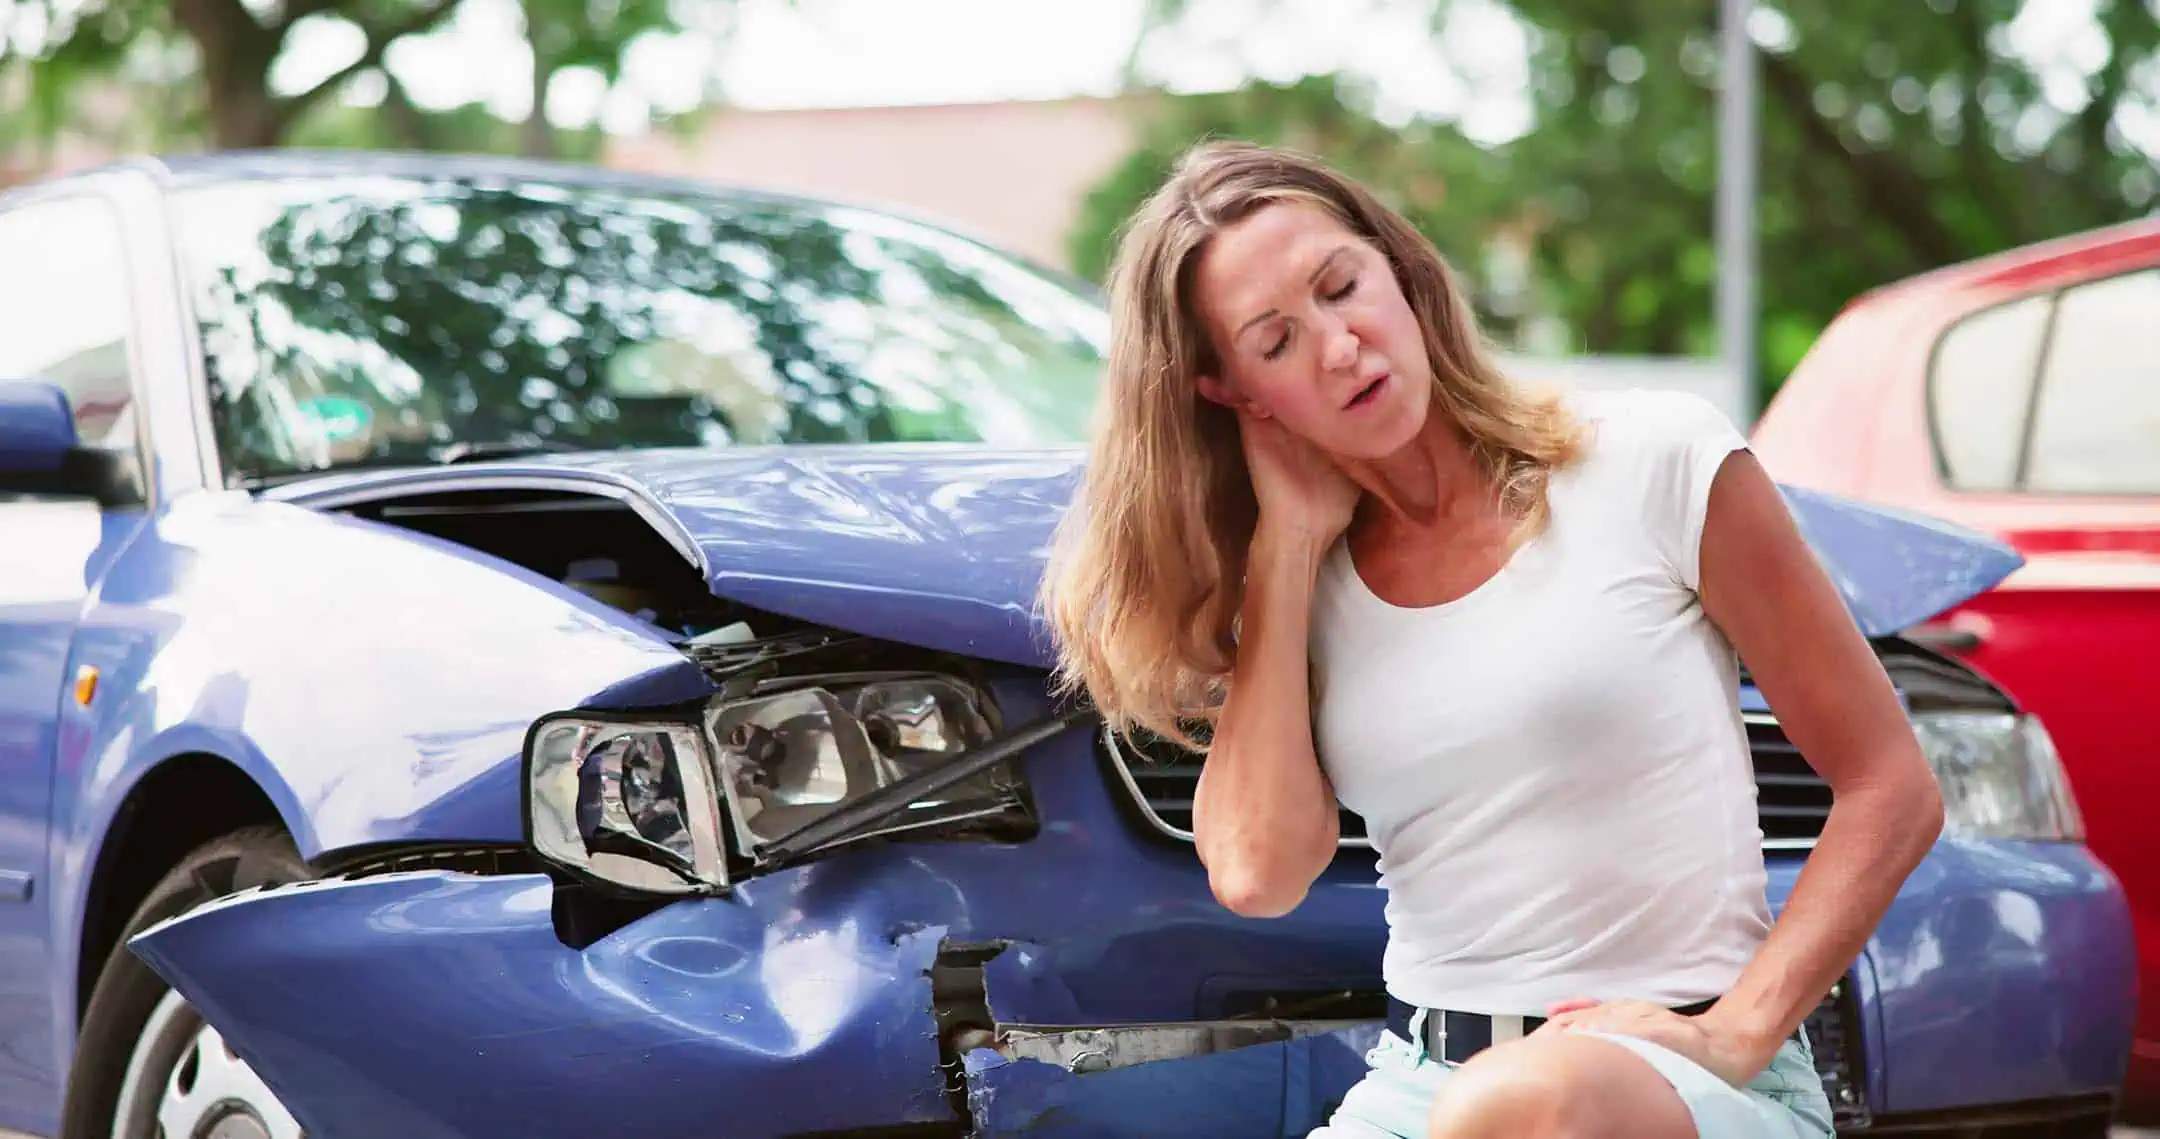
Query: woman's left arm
x,y
1761,585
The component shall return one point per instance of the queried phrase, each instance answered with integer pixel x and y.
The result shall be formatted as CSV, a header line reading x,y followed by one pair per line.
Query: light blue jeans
x,y
1785,1102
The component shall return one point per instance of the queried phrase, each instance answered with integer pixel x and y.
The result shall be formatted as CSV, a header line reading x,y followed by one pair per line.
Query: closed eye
x,y
1281,342
1343,293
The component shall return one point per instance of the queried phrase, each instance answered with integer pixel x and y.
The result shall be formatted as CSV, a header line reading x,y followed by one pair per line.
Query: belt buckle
x,y
1435,1033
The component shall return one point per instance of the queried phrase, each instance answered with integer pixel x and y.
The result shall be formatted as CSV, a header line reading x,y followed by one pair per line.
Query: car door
x,y
64,319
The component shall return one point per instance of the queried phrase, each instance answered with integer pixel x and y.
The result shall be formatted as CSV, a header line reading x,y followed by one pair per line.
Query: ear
x,y
1216,391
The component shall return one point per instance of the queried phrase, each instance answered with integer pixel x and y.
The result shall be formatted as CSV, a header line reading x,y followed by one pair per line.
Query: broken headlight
x,y
654,806
626,802
2000,776
791,758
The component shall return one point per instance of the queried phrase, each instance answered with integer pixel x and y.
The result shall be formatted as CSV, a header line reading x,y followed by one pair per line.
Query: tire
x,y
138,1034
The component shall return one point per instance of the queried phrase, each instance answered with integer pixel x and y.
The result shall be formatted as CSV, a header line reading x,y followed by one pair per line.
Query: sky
x,y
825,53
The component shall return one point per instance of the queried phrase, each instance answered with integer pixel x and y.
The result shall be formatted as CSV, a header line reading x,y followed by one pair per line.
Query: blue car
x,y
492,649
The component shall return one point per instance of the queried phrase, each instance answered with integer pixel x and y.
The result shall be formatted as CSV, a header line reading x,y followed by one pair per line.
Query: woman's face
x,y
1312,329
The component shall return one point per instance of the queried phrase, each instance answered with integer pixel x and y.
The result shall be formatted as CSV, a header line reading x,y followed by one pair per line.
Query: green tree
x,y
231,48
1925,133
1422,170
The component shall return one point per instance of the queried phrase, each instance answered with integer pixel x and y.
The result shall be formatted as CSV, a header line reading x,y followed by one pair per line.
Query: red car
x,y
2020,395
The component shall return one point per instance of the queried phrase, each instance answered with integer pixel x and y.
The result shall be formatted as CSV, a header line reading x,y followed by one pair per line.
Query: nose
x,y
1338,346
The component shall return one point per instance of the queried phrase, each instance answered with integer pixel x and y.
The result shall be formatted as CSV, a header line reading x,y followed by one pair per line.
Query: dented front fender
x,y
440,1006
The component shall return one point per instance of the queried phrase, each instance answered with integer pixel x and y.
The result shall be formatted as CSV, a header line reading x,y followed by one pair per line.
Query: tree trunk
x,y
408,123
236,55
539,134
245,117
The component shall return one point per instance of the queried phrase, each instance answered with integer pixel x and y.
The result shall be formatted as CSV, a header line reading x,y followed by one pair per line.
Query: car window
x,y
2096,426
1979,387
391,320
64,312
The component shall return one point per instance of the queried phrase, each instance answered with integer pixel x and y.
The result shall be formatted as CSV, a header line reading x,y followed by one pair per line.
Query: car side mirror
x,y
39,450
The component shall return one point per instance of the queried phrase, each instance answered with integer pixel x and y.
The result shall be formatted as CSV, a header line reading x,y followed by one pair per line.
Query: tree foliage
x,y
1926,133
66,51
1423,171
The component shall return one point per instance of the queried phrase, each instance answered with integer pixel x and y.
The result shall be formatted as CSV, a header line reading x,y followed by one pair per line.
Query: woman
x,y
1502,627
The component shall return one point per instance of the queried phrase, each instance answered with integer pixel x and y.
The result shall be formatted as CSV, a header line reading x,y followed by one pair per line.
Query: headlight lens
x,y
650,805
630,804
2000,776
793,757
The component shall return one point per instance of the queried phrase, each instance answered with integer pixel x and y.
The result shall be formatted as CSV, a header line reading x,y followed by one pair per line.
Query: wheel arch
x,y
178,804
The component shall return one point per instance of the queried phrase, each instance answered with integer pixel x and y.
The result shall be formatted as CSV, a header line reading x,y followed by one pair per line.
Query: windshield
x,y
380,320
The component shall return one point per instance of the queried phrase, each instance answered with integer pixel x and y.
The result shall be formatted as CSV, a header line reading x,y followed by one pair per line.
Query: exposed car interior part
x,y
584,915
960,1000
392,858
1933,681
596,545
1340,1004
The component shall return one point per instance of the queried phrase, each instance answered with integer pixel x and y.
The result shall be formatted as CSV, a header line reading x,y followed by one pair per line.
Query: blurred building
x,y
1013,173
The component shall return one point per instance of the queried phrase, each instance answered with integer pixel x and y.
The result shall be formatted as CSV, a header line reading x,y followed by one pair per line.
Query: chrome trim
x,y
1123,767
1132,788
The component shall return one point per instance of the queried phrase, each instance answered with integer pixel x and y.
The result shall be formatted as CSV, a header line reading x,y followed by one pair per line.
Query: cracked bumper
x,y
434,1005
440,1006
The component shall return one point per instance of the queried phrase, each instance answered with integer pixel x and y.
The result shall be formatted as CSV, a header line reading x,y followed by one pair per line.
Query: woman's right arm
x,y
1264,816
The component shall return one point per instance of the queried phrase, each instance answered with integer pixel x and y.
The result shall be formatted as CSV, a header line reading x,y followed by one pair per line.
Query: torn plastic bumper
x,y
1215,1078
440,1006
435,1005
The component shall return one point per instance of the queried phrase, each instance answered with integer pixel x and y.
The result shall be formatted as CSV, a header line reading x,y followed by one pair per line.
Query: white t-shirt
x,y
1554,768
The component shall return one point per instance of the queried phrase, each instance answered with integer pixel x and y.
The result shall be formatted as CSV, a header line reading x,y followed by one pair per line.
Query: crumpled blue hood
x,y
943,546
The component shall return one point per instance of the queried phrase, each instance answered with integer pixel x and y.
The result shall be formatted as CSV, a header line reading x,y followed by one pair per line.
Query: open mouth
x,y
1368,393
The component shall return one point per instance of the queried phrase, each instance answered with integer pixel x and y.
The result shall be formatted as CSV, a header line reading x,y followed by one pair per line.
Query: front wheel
x,y
146,1065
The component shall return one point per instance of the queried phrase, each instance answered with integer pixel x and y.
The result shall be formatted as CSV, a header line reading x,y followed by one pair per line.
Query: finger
x,y
1572,1004
1564,1020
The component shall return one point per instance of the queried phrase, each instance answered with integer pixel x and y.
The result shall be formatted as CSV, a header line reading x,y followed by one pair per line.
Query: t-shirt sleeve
x,y
1685,439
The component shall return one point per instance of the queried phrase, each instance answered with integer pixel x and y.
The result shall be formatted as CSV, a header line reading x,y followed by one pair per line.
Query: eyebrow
x,y
1326,261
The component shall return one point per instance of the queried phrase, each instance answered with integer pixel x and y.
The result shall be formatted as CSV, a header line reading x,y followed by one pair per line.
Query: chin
x,y
1377,436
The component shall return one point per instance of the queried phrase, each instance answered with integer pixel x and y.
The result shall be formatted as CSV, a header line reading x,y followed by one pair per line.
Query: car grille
x,y
1791,801
1833,1032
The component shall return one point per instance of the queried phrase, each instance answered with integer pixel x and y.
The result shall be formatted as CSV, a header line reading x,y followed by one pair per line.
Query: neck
x,y
1427,481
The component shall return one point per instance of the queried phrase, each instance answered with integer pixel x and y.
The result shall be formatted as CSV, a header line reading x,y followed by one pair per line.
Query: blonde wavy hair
x,y
1147,570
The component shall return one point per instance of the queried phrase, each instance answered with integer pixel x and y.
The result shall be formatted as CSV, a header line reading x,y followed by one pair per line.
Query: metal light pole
x,y
1738,157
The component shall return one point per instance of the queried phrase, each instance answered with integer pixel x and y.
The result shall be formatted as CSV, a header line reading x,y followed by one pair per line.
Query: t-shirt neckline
x,y
1493,584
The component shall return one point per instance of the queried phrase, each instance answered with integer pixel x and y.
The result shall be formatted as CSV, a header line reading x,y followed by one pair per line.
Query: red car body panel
x,y
2075,634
